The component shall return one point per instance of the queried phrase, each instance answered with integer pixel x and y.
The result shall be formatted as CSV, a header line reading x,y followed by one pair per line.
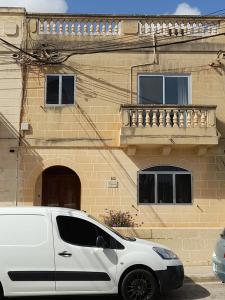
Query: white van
x,y
58,251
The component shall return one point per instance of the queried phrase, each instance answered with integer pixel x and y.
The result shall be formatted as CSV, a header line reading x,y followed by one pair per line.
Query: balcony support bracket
x,y
165,151
201,150
131,150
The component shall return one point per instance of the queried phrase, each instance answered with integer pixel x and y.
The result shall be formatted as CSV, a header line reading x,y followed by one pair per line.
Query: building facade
x,y
124,113
12,22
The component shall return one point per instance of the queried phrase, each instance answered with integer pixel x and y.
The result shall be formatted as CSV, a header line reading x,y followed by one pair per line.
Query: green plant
x,y
119,219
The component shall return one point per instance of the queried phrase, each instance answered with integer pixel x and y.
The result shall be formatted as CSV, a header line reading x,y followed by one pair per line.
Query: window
x,y
59,90
164,185
164,89
80,232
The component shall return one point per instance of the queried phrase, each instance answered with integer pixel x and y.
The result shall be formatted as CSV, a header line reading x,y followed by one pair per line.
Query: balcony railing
x,y
181,27
168,116
104,25
165,121
79,26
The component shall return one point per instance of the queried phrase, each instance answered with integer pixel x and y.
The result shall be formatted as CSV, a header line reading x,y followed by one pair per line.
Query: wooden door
x,y
60,187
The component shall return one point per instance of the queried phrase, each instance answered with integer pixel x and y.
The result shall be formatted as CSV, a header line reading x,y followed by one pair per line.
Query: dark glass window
x,y
80,232
151,89
165,188
164,185
67,90
165,168
183,188
163,89
59,89
176,90
52,92
147,188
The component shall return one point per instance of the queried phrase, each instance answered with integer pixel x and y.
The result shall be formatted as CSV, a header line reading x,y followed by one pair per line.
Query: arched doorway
x,y
60,187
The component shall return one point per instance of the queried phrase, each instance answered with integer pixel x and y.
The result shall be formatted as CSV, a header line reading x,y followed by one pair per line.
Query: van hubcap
x,y
139,287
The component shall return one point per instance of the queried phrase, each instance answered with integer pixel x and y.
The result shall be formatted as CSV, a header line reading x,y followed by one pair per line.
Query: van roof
x,y
38,210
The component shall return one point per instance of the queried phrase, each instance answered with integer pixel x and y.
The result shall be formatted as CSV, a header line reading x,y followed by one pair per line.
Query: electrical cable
x,y
142,41
159,31
94,50
144,47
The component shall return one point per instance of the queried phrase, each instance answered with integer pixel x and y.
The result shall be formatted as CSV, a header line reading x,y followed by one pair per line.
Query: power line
x,y
159,31
106,49
143,40
17,48
143,47
173,27
215,12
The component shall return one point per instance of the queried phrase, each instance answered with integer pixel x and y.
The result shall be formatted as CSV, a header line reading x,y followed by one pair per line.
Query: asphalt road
x,y
197,292
190,291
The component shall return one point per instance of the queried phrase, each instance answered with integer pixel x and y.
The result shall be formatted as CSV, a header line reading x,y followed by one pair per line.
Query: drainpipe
x,y
17,173
155,62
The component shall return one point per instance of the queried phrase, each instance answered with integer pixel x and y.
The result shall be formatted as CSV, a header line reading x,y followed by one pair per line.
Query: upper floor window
x,y
164,185
59,89
164,89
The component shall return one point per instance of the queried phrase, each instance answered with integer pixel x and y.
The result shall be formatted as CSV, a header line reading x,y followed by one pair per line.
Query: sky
x,y
189,7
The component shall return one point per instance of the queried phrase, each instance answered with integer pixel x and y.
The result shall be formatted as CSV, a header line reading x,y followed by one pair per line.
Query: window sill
x,y
58,105
166,204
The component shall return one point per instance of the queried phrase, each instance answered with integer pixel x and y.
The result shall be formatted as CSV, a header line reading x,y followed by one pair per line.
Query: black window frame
x,y
60,76
174,172
114,244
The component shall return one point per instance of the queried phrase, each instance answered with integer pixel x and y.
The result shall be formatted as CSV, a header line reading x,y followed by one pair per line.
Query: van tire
x,y
139,284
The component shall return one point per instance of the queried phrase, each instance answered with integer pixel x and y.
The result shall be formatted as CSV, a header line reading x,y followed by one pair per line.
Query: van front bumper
x,y
171,278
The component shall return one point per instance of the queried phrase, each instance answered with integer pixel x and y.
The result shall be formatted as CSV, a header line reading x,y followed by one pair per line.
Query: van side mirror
x,y
101,243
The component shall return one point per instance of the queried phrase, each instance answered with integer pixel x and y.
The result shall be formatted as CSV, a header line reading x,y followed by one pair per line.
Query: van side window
x,y
80,232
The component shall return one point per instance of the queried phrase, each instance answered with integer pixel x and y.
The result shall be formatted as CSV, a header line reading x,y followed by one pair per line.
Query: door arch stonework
x,y
61,186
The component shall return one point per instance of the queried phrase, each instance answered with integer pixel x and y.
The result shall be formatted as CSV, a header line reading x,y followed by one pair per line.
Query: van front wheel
x,y
139,284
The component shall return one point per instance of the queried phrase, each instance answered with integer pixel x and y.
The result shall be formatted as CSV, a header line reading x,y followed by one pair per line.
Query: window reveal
x,y
164,89
164,185
59,90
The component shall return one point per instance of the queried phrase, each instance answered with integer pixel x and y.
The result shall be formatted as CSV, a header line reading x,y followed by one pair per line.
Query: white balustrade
x,y
173,27
168,117
161,26
79,26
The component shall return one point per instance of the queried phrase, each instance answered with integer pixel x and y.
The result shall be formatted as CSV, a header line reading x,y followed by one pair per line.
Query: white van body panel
x,y
36,252
83,259
26,245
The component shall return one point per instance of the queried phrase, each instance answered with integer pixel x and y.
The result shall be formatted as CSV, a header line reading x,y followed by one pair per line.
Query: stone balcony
x,y
116,25
171,125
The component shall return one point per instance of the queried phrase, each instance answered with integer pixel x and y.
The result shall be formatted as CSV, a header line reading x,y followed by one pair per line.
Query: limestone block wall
x,y
193,246
96,167
11,30
85,136
103,83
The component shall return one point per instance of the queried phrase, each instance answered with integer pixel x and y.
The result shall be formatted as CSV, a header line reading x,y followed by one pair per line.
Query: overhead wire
x,y
143,40
115,47
171,27
138,47
134,39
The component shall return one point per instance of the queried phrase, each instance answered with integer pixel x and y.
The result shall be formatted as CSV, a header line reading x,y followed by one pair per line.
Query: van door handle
x,y
65,254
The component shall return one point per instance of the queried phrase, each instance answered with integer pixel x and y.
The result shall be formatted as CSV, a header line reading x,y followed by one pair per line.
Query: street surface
x,y
190,291
197,291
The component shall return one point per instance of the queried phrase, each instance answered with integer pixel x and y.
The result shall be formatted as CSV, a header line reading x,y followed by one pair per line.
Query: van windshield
x,y
132,239
223,234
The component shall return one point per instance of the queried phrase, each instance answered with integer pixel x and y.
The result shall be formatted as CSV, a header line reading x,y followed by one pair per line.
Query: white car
x,y
58,251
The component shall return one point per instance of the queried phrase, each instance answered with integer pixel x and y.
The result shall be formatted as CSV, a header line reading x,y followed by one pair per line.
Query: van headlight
x,y
165,253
